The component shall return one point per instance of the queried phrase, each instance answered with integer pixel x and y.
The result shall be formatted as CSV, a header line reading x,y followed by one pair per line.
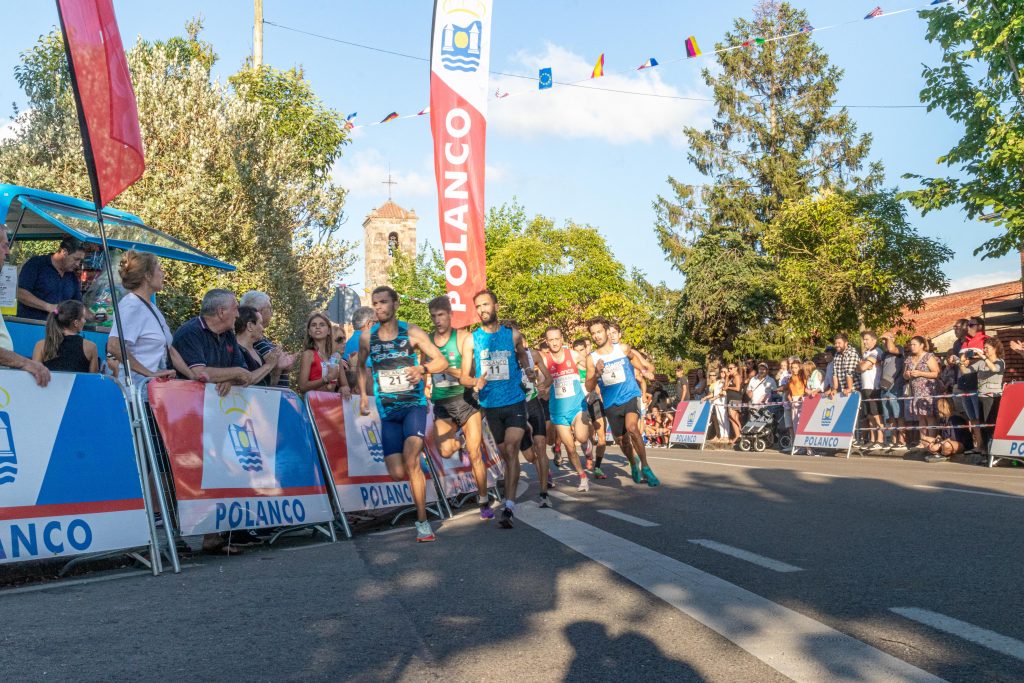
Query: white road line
x,y
70,583
401,530
975,634
707,462
628,518
562,496
793,644
977,493
739,553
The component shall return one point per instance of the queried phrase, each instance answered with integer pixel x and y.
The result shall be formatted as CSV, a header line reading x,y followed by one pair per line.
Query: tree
x,y
981,86
417,281
775,137
850,262
236,180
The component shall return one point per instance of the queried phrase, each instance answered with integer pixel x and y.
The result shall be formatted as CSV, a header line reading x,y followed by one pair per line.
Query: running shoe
x,y
634,469
424,534
544,501
506,519
590,465
486,512
551,483
935,457
652,480
598,474
584,485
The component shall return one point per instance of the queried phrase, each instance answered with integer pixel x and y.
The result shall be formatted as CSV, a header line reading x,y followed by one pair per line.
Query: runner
x,y
534,445
391,347
496,355
595,409
454,405
544,396
568,400
610,366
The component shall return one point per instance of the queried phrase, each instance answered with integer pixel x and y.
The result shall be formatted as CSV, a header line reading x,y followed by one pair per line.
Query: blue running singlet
x,y
617,380
496,353
388,361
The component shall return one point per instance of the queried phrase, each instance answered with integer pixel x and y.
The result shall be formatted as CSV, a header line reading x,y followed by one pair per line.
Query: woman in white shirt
x,y
717,398
146,334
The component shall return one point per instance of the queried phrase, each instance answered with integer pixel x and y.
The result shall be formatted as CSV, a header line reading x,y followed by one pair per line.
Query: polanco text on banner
x,y
69,476
827,422
242,461
356,455
690,424
1008,437
459,62
456,472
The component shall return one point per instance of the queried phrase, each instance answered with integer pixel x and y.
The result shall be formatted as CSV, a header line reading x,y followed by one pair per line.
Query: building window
x,y
392,244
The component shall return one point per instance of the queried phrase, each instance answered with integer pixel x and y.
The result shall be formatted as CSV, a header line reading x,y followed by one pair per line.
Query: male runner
x,y
610,366
454,405
497,355
392,346
595,409
568,399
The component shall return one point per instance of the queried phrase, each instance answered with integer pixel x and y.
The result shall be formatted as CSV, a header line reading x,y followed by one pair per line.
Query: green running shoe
x,y
651,479
598,474
634,469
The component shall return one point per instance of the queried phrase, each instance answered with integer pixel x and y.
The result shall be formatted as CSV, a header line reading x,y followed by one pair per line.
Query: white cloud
x,y
11,127
364,172
960,284
578,112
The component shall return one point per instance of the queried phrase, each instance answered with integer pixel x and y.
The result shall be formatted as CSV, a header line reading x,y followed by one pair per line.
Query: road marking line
x,y
707,462
975,634
739,553
793,644
404,529
977,493
562,496
69,583
628,518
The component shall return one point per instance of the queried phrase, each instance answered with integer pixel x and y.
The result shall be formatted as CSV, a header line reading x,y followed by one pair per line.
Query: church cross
x,y
389,182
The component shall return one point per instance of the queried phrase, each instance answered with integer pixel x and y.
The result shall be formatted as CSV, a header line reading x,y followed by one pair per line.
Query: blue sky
x,y
593,157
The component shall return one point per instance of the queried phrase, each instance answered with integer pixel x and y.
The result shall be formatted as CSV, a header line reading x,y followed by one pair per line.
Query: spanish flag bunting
x,y
691,47
390,117
599,67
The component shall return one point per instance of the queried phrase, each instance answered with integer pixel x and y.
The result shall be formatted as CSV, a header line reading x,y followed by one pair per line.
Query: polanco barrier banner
x,y
1008,437
243,461
459,63
827,422
356,455
69,477
457,471
690,424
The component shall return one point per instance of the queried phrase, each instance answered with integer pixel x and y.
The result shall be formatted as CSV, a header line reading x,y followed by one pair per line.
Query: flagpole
x,y
90,163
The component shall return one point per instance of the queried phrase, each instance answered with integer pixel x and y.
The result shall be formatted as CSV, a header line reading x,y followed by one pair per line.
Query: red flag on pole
x,y
107,113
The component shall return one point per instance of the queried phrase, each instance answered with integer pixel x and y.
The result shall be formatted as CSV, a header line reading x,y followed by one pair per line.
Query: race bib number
x,y
443,380
613,374
496,369
393,381
565,386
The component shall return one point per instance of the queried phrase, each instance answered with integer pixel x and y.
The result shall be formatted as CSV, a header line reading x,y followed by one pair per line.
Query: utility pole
x,y
257,34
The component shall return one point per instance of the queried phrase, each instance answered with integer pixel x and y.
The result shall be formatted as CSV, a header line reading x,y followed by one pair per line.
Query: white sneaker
x,y
584,484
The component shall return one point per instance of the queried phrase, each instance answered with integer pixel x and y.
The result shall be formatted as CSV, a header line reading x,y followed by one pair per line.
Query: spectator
x,y
949,375
207,343
652,427
717,398
782,375
659,397
63,347
48,279
830,369
846,373
793,393
734,395
249,330
890,384
959,332
870,383
320,367
700,389
953,438
279,376
362,320
147,336
989,370
815,380
8,358
761,387
922,370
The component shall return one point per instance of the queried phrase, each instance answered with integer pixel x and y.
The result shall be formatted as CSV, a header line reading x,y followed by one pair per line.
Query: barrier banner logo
x,y
1008,437
457,471
243,461
690,425
459,61
356,455
69,478
827,422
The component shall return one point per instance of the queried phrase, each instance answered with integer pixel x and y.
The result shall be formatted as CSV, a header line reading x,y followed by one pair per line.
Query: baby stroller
x,y
763,429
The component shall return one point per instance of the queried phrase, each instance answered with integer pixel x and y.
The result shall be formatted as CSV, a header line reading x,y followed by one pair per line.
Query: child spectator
x,y
954,436
63,347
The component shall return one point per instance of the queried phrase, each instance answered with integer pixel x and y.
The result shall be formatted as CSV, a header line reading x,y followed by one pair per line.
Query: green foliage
x,y
851,262
979,85
237,172
774,138
417,281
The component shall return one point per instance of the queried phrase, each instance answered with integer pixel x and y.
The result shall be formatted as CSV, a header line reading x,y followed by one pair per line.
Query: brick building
x,y
386,229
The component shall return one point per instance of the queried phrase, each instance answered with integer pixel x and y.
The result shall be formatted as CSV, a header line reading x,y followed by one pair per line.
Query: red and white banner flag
x,y
107,112
459,62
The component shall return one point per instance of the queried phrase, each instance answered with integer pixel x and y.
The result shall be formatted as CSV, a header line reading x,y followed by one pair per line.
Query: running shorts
x,y
566,418
617,415
505,417
457,409
538,427
401,425
594,406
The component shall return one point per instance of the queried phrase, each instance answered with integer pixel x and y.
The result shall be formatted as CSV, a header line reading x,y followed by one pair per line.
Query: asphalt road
x,y
741,567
